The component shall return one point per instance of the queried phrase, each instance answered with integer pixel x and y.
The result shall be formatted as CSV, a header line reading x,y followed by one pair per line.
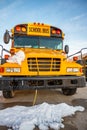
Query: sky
x,y
68,15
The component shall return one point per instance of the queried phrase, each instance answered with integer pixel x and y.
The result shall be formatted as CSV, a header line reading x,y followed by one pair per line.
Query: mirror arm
x,y
6,50
74,54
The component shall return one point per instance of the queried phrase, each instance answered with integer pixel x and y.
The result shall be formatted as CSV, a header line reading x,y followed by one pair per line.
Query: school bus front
x,y
43,63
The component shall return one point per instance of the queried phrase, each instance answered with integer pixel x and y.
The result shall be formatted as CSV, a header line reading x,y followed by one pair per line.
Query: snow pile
x,y
17,58
44,115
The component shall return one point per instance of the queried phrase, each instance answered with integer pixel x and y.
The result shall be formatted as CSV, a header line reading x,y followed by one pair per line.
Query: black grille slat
x,y
44,64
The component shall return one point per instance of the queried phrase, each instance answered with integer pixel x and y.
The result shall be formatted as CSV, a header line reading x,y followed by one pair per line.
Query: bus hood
x,y
35,53
44,53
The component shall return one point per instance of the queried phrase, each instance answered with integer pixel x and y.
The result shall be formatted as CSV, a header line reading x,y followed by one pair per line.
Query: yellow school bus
x,y
44,63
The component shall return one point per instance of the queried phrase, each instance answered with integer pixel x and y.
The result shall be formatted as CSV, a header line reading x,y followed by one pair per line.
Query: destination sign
x,y
39,30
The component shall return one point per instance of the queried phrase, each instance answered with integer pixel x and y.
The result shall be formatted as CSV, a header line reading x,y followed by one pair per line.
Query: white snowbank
x,y
17,58
44,115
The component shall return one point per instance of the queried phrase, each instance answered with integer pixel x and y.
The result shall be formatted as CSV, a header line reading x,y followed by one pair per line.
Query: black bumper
x,y
20,83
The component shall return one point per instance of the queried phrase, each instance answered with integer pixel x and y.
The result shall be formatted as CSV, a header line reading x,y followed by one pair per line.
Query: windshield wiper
x,y
45,47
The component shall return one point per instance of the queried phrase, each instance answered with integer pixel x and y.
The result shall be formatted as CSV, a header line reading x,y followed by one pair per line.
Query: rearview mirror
x,y
66,49
6,37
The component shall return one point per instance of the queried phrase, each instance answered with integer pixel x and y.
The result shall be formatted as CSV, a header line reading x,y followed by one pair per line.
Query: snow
x,y
17,58
43,115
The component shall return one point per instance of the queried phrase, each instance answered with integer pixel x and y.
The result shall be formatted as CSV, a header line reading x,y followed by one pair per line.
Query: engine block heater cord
x,y
35,97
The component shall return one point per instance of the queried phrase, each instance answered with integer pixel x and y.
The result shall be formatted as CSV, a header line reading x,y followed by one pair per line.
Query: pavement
x,y
25,98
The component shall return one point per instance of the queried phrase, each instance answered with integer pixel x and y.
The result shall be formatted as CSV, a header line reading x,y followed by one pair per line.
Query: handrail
x,y
77,53
3,49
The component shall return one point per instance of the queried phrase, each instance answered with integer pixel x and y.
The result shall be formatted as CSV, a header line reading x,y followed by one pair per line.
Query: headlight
x,y
16,70
72,70
69,69
75,69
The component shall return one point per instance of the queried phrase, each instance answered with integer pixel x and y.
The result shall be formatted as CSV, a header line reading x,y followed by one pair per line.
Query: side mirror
x,y
66,49
6,37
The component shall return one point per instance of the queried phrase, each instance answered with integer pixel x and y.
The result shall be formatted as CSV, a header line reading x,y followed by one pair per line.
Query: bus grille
x,y
44,64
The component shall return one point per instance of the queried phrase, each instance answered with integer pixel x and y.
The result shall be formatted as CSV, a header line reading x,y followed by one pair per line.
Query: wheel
x,y
69,91
8,93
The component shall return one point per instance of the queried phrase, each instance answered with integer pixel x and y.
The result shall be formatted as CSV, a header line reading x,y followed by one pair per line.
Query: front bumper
x,y
20,83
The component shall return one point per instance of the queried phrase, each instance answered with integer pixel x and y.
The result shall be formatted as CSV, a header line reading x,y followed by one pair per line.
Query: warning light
x,y
18,28
58,32
23,29
53,31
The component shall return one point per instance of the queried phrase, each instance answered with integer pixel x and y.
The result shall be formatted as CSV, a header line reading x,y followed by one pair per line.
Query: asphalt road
x,y
76,122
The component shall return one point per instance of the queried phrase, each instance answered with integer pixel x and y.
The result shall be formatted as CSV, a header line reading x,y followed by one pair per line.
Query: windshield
x,y
38,42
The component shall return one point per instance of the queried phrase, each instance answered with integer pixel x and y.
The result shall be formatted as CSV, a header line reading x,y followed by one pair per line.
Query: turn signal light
x,y
81,70
12,51
75,58
1,69
6,57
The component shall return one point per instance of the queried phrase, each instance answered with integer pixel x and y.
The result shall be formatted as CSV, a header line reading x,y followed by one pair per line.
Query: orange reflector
x,y
1,69
6,57
75,58
18,28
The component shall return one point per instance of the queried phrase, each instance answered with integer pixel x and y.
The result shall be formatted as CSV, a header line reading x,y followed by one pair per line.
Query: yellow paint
x,y
38,30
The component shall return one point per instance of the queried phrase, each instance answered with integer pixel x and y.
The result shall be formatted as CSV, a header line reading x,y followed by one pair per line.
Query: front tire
x,y
69,91
8,93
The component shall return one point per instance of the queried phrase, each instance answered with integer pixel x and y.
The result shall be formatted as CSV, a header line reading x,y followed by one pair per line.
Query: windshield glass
x,y
38,42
